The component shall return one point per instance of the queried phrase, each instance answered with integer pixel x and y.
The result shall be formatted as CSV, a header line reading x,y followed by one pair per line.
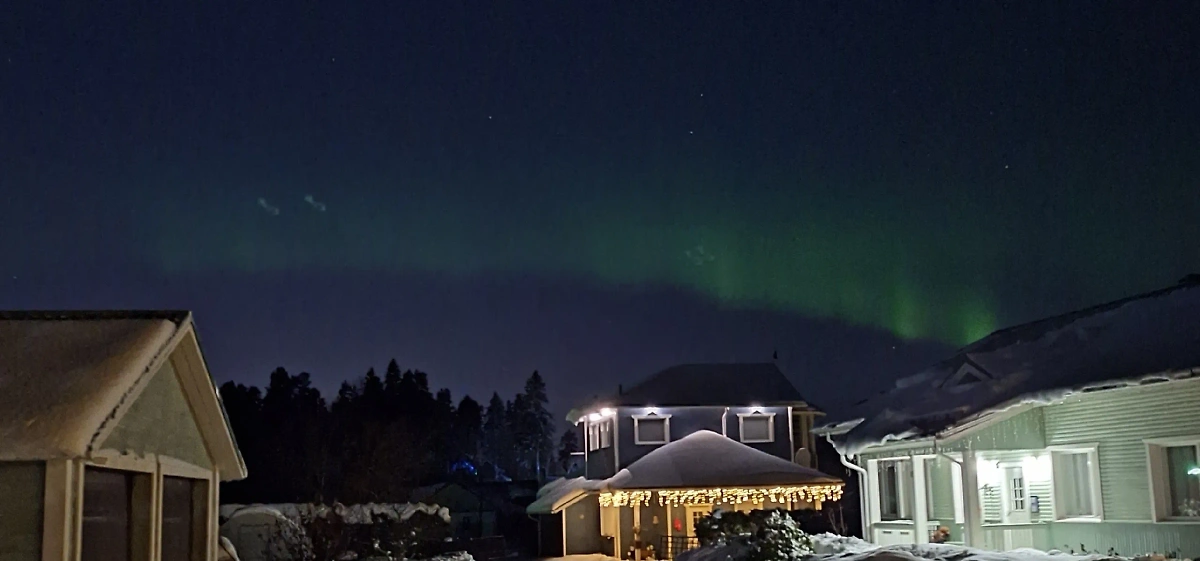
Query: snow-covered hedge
x,y
761,535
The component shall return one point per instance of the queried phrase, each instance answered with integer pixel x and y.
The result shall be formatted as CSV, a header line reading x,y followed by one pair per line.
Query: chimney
x,y
619,390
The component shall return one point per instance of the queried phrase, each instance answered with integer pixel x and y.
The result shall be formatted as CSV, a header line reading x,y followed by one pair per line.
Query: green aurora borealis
x,y
874,258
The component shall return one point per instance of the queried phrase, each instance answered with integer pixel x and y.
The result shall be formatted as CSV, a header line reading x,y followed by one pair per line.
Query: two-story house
x,y
670,450
1079,431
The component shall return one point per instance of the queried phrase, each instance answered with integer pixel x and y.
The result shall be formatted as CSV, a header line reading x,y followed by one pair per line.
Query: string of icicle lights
x,y
727,495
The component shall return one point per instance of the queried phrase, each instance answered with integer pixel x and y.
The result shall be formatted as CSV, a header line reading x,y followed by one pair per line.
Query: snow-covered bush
x,y
768,535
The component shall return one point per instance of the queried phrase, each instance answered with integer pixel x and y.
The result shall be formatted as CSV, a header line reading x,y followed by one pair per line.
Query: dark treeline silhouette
x,y
380,438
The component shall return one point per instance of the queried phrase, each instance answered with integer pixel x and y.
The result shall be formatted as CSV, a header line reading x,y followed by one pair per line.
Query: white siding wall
x,y
1119,421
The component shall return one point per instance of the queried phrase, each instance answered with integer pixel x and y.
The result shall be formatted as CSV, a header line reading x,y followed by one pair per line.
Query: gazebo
x,y
656,501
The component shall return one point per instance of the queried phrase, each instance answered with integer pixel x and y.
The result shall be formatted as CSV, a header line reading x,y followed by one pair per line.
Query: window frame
x,y
905,495
596,435
1160,485
1093,454
770,427
637,432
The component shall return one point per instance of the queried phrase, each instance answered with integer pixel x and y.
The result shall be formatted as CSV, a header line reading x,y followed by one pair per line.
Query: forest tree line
x,y
381,437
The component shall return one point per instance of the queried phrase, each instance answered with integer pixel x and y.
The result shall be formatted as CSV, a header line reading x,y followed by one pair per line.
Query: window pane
x,y
1073,484
177,523
756,428
107,520
652,430
1185,487
896,488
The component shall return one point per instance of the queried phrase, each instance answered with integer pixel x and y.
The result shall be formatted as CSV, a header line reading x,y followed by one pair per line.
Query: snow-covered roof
x,y
66,376
352,514
1142,339
703,459
715,384
706,459
557,494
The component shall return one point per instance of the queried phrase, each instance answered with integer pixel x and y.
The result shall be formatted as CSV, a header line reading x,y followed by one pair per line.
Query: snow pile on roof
x,y
1147,338
716,384
703,459
62,378
556,494
707,459
352,514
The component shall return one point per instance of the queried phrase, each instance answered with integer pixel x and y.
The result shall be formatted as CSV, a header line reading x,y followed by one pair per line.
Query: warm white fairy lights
x,y
729,495
625,498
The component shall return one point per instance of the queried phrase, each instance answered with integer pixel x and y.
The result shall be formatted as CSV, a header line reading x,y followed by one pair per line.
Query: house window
x,y
896,490
1183,477
1175,470
599,435
757,427
1016,487
182,518
107,515
1076,484
651,429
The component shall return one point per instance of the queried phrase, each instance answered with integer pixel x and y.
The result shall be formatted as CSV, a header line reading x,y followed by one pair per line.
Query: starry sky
x,y
596,190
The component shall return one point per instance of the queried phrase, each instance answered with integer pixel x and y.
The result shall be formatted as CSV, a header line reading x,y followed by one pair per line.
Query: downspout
x,y
724,431
864,513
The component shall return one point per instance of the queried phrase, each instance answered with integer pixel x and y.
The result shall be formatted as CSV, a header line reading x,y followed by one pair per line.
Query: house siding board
x,y
687,420
1119,421
1023,431
1128,539
600,464
22,490
161,422
941,489
583,526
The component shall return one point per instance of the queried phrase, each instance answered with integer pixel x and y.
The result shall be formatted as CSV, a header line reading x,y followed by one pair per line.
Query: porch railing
x,y
670,546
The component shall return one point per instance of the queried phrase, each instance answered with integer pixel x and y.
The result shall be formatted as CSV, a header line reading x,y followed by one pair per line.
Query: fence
x,y
670,546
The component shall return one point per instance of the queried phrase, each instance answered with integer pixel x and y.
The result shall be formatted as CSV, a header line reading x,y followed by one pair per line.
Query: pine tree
x,y
568,444
497,440
539,430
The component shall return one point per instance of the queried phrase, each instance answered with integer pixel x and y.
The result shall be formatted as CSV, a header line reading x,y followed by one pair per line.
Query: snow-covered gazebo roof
x,y
1146,338
67,377
701,468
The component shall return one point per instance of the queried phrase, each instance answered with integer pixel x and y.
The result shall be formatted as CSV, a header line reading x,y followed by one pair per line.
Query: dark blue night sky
x,y
596,190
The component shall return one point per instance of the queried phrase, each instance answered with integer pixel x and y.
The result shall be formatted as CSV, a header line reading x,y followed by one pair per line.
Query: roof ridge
x,y
176,316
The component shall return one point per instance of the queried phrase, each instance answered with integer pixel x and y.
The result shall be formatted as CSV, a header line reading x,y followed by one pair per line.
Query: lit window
x,y
1076,484
651,429
757,427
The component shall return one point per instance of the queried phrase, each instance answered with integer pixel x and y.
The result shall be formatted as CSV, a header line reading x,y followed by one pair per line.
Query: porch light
x,y
1194,471
606,412
594,417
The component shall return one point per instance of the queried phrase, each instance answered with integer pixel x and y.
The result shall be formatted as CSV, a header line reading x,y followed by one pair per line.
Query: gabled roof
x,y
1149,337
67,377
705,459
714,384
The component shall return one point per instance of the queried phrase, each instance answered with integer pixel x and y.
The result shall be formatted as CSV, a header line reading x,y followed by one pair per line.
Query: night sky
x,y
596,189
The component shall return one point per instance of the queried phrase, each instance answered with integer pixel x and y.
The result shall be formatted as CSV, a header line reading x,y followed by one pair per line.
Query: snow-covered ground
x,y
830,547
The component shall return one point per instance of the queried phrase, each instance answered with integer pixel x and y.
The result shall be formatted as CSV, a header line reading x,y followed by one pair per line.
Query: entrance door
x,y
694,514
1016,501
